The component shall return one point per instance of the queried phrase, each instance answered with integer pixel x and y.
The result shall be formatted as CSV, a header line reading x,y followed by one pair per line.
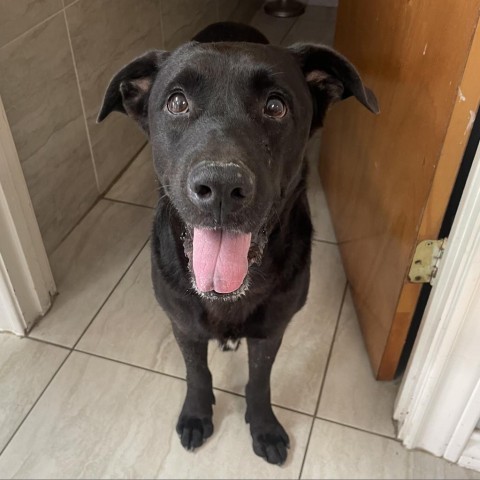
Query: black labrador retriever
x,y
228,117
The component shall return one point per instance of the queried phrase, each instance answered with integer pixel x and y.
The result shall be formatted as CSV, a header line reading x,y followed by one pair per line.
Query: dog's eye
x,y
177,103
275,108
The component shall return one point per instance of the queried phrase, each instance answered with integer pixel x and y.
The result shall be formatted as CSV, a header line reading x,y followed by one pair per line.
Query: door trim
x,y
26,281
471,454
438,405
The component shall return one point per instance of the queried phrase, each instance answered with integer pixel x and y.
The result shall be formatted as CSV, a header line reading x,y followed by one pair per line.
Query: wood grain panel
x,y
379,172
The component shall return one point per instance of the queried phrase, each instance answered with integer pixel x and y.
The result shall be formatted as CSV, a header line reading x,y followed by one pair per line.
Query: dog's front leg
x,y
194,424
270,440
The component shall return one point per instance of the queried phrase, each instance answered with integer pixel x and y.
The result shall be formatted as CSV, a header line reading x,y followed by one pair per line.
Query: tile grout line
x,y
99,198
286,34
47,342
328,242
124,169
34,404
82,103
324,377
176,377
70,4
353,427
124,202
80,220
161,24
337,323
128,364
26,32
129,266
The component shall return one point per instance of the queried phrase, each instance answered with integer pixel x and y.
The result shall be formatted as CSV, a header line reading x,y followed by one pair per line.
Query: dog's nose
x,y
219,188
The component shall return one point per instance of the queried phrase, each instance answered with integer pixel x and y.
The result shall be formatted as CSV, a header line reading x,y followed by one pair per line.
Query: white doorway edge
x,y
438,405
26,281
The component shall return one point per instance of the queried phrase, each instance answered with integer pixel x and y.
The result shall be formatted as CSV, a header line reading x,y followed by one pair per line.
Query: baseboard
x,y
471,455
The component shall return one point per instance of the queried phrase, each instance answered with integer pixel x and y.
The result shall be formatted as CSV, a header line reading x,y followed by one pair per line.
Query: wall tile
x,y
105,36
182,19
17,16
40,94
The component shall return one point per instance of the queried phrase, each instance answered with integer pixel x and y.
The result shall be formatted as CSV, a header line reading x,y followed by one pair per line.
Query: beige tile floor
x,y
96,389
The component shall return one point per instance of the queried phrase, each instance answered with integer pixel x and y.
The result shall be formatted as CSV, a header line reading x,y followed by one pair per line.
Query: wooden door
x,y
388,178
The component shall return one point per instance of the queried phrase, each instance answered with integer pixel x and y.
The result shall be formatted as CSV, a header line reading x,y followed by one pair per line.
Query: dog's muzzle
x,y
220,189
220,254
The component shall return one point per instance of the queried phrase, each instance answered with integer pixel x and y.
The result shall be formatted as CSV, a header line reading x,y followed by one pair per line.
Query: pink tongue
x,y
220,259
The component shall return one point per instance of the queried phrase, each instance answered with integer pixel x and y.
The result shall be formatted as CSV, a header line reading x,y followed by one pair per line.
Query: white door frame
x,y
438,405
26,281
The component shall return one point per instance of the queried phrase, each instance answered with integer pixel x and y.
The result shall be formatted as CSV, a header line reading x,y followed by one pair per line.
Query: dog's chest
x,y
229,321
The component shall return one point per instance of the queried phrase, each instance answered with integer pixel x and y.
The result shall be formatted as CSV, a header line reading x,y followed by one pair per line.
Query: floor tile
x,y
322,222
132,328
316,25
351,395
101,419
26,367
274,28
88,264
336,451
138,183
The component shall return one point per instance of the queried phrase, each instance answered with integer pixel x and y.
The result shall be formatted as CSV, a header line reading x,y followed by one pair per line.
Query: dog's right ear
x,y
129,89
330,77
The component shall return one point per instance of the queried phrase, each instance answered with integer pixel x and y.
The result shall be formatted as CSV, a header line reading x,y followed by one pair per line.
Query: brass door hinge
x,y
424,265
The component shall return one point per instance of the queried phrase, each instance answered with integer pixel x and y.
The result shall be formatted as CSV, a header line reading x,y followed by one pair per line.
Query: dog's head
x,y
228,124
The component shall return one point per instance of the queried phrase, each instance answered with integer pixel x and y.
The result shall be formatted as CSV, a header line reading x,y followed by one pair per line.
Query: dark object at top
x,y
285,8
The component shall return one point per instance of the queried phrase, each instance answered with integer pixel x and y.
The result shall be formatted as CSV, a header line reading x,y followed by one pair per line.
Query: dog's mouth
x,y
220,260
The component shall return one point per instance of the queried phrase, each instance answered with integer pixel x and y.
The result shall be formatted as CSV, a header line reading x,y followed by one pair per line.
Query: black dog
x,y
228,122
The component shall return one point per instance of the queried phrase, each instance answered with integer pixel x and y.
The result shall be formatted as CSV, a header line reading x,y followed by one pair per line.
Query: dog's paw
x,y
271,443
193,431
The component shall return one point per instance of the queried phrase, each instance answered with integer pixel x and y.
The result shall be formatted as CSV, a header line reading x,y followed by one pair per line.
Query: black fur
x,y
227,85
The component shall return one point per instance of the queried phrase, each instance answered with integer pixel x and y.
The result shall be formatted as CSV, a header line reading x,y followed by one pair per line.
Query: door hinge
x,y
425,261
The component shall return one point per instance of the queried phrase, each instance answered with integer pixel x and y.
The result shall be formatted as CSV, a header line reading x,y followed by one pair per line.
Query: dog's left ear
x,y
330,77
129,90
